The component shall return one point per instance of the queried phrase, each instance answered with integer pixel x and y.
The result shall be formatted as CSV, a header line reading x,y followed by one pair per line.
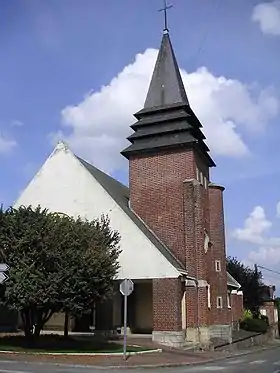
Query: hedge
x,y
254,325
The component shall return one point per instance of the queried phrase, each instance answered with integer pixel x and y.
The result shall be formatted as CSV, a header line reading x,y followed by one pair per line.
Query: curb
x,y
195,363
151,366
145,352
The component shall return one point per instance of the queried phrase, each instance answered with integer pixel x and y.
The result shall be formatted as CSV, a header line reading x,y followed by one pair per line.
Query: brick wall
x,y
236,299
156,194
167,299
217,278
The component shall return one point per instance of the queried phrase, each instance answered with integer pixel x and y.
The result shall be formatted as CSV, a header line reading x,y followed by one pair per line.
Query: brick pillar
x,y
167,312
236,299
196,297
220,317
269,307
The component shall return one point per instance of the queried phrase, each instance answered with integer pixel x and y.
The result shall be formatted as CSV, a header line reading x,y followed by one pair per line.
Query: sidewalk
x,y
152,359
165,358
145,360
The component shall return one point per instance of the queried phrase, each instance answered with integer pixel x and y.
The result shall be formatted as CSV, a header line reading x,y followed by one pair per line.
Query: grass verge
x,y
59,344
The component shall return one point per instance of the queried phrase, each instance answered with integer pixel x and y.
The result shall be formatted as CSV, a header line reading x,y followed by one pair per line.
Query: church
x,y
170,219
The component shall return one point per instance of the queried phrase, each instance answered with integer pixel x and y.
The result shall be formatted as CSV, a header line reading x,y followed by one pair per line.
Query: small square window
x,y
219,302
218,265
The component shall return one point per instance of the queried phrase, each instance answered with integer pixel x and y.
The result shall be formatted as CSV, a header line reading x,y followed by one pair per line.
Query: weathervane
x,y
164,9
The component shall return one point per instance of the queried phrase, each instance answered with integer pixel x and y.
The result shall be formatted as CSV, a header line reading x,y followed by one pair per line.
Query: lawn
x,y
56,343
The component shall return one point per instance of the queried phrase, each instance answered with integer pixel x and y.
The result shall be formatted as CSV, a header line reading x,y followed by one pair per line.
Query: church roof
x,y
166,87
120,193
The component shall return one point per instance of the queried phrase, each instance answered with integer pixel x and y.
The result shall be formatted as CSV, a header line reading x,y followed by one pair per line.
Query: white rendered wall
x,y
64,185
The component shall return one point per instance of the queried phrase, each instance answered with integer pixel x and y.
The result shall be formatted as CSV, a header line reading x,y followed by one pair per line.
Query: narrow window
x,y
218,265
208,297
201,178
219,302
275,315
205,182
206,240
228,300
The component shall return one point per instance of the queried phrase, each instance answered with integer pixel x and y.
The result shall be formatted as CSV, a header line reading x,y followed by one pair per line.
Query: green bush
x,y
247,314
254,325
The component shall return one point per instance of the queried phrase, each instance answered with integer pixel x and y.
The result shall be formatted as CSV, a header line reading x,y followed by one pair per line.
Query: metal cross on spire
x,y
164,9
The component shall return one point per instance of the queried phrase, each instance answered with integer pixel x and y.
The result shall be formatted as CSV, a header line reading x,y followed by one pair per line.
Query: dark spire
x,y
166,87
167,120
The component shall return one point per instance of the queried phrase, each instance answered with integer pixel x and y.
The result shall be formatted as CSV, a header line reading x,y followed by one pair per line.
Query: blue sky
x,y
56,56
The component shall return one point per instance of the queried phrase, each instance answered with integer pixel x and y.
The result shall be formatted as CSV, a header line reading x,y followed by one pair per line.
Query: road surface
x,y
267,361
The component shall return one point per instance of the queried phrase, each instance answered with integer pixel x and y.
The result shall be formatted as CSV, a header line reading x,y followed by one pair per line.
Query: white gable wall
x,y
64,185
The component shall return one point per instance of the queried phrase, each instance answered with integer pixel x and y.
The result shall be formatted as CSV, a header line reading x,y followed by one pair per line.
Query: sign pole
x,y
125,327
126,288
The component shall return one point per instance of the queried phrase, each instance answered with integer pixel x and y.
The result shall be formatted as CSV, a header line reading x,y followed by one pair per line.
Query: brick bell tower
x,y
170,191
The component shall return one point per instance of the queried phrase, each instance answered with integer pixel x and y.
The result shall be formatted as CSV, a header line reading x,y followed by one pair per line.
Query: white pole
x,y
125,327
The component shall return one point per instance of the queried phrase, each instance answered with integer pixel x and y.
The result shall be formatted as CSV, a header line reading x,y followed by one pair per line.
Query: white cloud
x,y
6,145
265,255
256,230
254,227
99,124
268,16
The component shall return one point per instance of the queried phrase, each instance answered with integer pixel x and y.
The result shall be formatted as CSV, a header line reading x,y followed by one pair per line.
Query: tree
x,y
56,263
88,273
250,281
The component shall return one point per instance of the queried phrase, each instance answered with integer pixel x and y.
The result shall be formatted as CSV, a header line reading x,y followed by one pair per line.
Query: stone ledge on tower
x,y
216,186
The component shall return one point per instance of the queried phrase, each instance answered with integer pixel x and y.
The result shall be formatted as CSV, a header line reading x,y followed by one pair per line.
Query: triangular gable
x,y
65,184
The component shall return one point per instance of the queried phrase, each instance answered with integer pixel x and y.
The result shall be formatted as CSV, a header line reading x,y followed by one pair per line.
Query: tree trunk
x,y
66,324
28,326
37,330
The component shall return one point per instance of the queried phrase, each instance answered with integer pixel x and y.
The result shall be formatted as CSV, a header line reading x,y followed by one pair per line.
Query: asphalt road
x,y
267,361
